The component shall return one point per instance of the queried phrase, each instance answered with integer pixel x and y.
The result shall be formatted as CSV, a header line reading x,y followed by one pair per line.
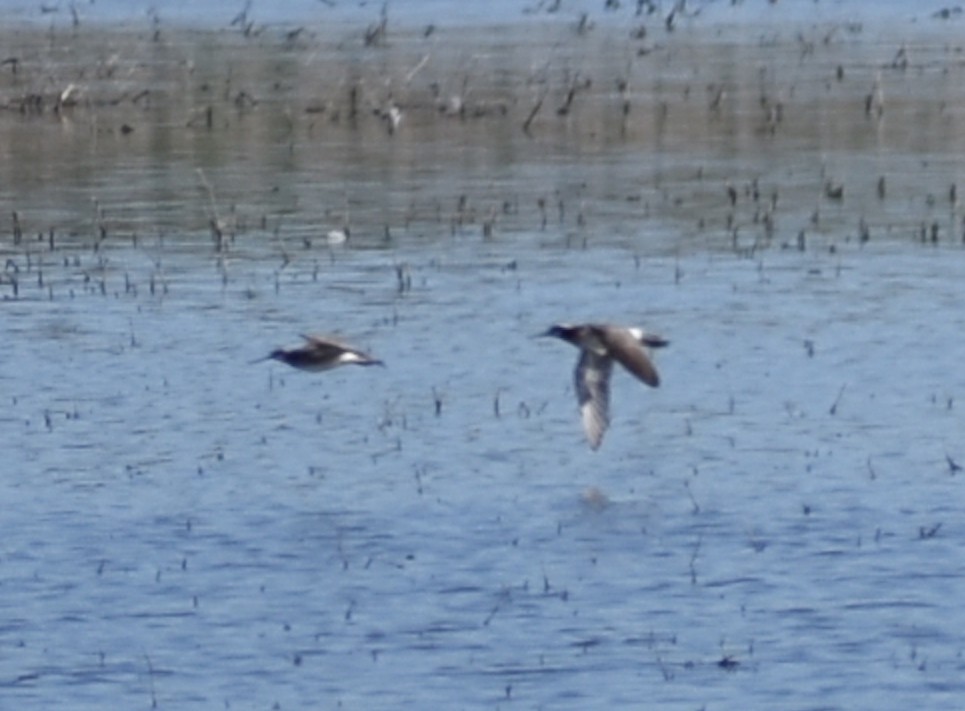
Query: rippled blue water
x,y
184,528
777,526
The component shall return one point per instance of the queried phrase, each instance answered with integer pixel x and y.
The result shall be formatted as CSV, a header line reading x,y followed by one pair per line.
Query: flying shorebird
x,y
600,345
320,353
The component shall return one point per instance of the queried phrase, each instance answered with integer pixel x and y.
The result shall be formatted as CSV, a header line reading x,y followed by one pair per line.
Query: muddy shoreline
x,y
710,136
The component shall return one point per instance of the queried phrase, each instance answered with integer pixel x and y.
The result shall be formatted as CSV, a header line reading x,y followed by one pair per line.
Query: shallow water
x,y
187,527
776,526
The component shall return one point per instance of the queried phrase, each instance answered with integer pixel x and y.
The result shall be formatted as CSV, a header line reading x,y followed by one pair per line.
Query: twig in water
x,y
214,217
17,230
665,671
241,19
693,561
416,69
375,34
496,402
953,466
150,676
837,400
490,616
692,499
533,112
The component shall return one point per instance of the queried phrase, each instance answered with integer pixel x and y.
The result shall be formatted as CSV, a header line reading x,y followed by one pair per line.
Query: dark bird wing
x,y
592,379
339,351
628,352
318,338
325,345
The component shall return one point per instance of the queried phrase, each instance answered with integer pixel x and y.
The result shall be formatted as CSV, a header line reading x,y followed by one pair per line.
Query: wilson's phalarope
x,y
321,353
600,345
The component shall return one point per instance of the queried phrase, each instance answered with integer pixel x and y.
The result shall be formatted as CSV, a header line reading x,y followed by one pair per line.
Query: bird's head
x,y
274,355
557,330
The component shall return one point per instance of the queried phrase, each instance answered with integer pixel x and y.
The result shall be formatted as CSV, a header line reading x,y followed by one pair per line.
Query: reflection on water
x,y
184,528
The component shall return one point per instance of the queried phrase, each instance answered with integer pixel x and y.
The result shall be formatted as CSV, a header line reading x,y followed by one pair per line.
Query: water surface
x,y
776,526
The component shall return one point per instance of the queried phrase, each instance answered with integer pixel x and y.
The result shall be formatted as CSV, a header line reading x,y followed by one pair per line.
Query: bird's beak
x,y
259,360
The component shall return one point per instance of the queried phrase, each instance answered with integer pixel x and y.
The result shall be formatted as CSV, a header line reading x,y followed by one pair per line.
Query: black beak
x,y
271,356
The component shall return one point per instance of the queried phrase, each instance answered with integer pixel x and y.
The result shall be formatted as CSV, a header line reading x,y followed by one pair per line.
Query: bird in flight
x,y
320,353
600,345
